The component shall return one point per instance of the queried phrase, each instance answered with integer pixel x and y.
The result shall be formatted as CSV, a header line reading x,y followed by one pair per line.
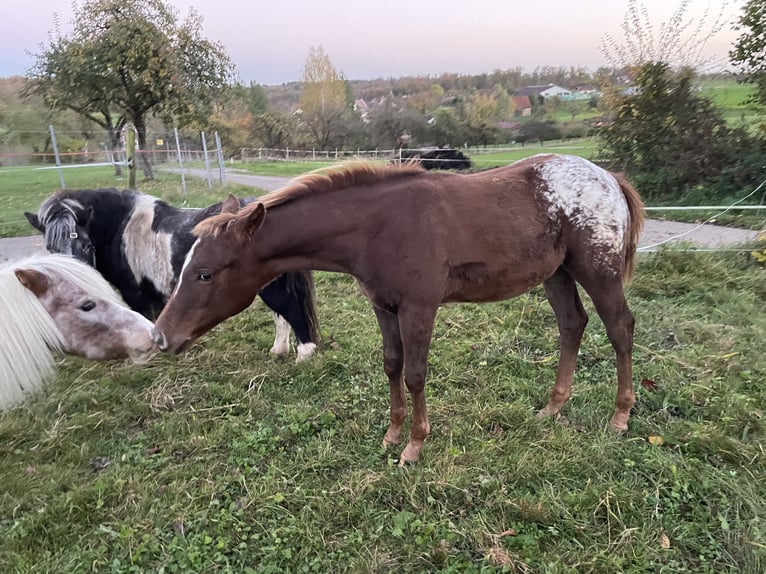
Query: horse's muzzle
x,y
160,340
165,346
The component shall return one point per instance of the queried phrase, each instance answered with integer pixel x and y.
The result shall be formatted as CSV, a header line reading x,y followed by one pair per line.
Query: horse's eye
x,y
87,306
205,276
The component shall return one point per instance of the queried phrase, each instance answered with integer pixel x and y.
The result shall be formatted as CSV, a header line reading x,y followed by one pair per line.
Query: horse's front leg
x,y
416,326
393,363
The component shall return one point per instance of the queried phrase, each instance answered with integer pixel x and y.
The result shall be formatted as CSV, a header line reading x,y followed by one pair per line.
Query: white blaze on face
x,y
186,262
148,252
590,198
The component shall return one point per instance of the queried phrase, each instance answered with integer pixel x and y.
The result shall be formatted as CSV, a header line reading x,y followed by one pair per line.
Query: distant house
x,y
554,91
521,105
546,91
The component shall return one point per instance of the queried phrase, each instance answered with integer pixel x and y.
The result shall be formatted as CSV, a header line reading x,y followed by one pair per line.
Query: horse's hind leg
x,y
290,296
393,365
608,297
561,291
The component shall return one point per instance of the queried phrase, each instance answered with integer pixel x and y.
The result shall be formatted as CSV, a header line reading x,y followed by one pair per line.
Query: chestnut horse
x,y
414,240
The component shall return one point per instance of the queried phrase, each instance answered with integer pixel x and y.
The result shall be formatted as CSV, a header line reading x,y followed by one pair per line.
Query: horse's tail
x,y
636,223
302,284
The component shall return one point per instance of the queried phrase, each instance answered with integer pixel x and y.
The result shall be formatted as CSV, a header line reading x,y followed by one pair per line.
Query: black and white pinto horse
x,y
138,242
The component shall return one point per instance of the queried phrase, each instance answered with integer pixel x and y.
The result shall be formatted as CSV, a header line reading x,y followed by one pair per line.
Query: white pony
x,y
55,303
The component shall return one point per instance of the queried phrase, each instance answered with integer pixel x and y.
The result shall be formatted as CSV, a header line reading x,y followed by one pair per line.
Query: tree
x,y
680,42
481,117
670,138
129,61
447,129
274,130
326,103
749,52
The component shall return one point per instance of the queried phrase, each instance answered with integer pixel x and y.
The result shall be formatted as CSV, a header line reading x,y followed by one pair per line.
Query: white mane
x,y
28,334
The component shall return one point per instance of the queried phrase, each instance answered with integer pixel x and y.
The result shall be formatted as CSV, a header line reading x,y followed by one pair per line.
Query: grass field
x,y
225,460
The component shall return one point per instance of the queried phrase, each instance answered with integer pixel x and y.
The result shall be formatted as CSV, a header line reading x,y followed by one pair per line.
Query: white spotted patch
x,y
590,198
148,252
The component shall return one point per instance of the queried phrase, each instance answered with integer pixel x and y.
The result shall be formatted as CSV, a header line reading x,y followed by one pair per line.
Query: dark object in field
x,y
438,158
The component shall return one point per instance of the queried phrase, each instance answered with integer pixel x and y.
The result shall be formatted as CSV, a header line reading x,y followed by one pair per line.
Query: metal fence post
x,y
56,155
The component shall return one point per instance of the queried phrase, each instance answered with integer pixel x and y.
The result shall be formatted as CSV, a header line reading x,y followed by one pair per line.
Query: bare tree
x,y
680,42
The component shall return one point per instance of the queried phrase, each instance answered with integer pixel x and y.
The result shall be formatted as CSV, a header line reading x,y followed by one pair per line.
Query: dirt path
x,y
655,231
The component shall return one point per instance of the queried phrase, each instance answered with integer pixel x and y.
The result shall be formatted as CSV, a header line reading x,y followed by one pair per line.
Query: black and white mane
x,y
139,242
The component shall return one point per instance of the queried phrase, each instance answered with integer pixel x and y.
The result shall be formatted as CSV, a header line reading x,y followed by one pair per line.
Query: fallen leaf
x,y
656,440
509,532
649,384
664,541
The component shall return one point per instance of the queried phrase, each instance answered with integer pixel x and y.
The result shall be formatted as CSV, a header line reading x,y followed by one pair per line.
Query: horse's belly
x,y
475,284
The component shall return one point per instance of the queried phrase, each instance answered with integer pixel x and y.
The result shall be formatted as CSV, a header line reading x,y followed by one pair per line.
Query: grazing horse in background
x,y
138,243
55,303
414,240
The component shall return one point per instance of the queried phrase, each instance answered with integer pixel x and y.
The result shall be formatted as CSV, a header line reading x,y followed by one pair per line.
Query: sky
x,y
268,41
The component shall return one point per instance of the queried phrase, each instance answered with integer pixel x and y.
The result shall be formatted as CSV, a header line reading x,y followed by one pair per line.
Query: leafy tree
x,y
24,123
128,61
252,96
326,102
447,128
538,130
671,139
749,52
274,130
389,120
481,117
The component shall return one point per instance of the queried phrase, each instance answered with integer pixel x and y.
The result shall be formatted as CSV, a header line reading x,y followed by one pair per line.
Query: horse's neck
x,y
110,213
297,236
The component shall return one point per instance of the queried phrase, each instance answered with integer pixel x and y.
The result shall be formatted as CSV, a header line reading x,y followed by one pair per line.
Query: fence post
x,y
221,165
130,155
207,162
56,156
180,161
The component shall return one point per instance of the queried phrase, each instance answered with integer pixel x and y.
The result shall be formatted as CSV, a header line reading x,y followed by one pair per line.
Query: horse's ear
x,y
255,219
230,204
33,280
34,221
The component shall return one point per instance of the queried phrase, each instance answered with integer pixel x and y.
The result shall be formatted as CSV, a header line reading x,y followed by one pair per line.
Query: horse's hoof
x,y
410,455
305,352
547,411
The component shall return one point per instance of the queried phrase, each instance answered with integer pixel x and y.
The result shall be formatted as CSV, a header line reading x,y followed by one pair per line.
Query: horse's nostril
x,y
160,340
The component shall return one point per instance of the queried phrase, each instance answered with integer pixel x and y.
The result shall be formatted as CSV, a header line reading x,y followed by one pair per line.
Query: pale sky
x,y
268,40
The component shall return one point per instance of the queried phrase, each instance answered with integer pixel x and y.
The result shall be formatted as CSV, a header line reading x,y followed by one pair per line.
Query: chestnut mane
x,y
323,180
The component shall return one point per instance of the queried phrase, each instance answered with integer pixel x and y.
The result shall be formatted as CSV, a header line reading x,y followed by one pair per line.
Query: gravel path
x,y
655,231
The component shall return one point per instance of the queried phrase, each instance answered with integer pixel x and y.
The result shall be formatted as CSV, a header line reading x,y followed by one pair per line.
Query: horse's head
x,y
217,280
91,320
65,224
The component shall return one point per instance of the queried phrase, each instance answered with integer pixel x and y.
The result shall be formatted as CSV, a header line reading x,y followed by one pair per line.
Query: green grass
x,y
24,188
226,460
